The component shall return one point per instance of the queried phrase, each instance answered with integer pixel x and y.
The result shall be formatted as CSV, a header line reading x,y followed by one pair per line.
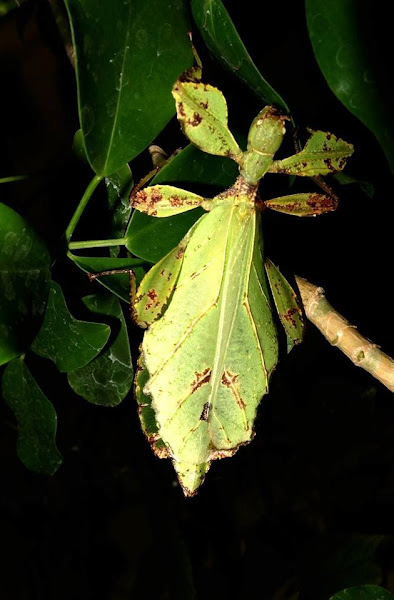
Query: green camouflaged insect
x,y
211,343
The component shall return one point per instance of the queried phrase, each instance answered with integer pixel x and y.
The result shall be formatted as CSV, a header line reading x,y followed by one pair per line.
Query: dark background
x,y
308,506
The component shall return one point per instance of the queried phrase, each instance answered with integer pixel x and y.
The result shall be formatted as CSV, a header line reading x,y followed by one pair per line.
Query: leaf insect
x,y
211,342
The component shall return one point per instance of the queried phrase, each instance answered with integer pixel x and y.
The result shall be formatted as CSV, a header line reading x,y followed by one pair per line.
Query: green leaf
x,y
107,379
129,53
24,283
344,57
202,112
324,153
222,39
364,592
119,186
205,389
78,146
151,238
70,343
36,419
287,305
118,284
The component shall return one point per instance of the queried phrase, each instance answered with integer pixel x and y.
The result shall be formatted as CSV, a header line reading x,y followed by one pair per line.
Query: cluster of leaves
x,y
138,49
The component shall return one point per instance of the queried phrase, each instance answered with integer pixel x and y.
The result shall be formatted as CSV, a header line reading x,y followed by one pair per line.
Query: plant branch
x,y
340,333
81,206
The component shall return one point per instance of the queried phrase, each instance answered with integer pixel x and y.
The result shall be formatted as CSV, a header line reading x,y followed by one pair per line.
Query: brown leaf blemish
x,y
201,378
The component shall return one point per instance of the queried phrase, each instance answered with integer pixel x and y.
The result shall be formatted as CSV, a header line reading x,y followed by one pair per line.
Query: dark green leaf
x,y
119,186
119,284
129,53
222,39
36,418
24,283
366,186
107,379
338,32
152,238
78,148
364,592
70,343
336,561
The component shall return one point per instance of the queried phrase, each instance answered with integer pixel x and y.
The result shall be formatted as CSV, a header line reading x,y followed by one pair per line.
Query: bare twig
x,y
339,332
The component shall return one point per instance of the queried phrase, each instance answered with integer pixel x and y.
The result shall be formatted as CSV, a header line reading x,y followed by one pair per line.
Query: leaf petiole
x,y
96,244
81,207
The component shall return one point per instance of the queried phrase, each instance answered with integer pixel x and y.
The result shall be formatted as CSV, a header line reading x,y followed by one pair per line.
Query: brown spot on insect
x,y
196,120
289,316
180,253
152,295
229,380
200,379
205,412
176,201
320,203
328,163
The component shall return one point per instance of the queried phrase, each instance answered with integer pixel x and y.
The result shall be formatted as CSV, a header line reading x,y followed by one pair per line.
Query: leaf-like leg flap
x,y
324,153
158,284
287,305
166,200
202,113
303,205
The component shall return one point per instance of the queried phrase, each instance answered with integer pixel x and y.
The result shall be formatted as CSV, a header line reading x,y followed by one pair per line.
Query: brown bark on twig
x,y
340,333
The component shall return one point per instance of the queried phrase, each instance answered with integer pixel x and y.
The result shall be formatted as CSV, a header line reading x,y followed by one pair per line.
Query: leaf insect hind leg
x,y
132,282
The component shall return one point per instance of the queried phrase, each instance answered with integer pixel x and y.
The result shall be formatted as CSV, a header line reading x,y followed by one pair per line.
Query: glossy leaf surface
x,y
118,187
364,592
24,283
129,53
107,379
70,343
338,32
222,39
36,417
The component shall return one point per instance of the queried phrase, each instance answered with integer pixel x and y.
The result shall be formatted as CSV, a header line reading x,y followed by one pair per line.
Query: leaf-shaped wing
x,y
158,284
323,153
207,370
202,112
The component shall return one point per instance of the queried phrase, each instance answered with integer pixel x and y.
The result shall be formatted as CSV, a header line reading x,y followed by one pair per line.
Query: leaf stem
x,y
81,206
340,333
13,178
96,244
